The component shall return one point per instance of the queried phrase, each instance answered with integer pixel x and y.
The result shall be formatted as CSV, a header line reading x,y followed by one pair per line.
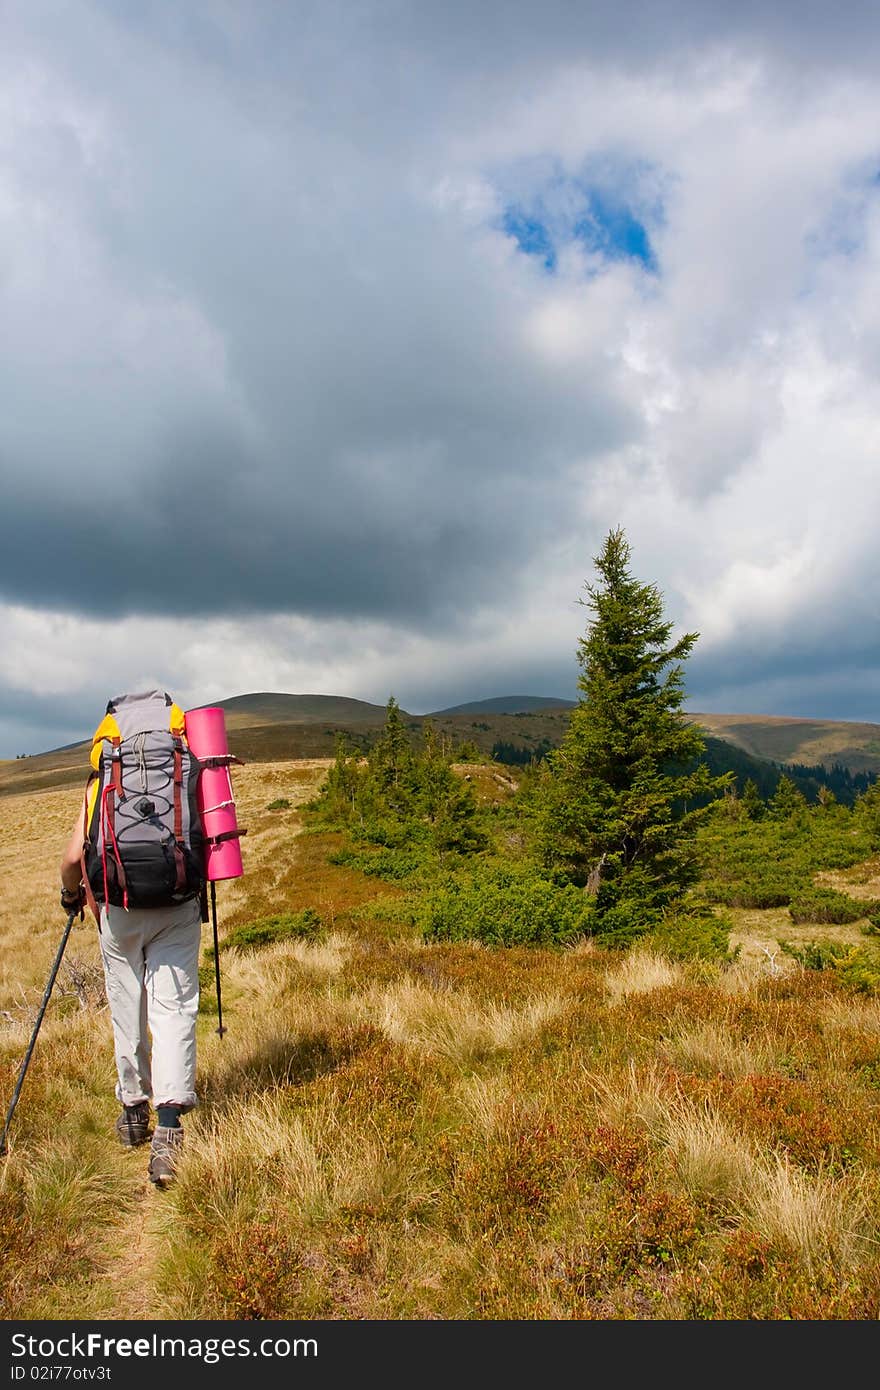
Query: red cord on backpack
x,y
107,821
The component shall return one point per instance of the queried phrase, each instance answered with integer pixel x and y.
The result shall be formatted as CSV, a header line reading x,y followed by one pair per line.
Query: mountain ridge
x,y
504,704
279,726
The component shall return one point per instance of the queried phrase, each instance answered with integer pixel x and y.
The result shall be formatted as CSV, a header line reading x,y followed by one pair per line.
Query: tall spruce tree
x,y
623,791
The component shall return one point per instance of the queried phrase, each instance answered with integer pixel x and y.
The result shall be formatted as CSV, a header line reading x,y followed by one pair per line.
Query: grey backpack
x,y
143,838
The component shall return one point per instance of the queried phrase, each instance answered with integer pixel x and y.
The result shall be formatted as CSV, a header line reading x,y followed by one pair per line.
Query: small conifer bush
x,y
507,907
696,933
826,905
284,926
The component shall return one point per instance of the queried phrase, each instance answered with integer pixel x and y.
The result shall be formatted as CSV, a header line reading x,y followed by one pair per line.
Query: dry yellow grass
x,y
712,1048
36,828
640,1094
272,972
859,881
640,972
855,1015
711,1159
756,935
818,1216
452,1024
485,1102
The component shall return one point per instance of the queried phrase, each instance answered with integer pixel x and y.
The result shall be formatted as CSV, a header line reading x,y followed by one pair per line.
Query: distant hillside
x,y
505,704
723,756
788,740
274,707
268,726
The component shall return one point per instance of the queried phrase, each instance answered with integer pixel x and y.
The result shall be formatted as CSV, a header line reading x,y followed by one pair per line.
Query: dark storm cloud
x,y
383,526
370,435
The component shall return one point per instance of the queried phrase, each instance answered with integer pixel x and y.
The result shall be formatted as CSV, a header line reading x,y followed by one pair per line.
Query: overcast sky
x,y
338,334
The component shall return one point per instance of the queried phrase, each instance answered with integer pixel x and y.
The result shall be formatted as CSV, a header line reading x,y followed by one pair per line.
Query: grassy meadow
x,y
400,1126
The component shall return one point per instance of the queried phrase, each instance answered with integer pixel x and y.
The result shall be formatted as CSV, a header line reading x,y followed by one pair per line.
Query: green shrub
x,y
752,893
816,955
688,933
769,863
299,926
282,803
621,923
506,907
395,911
860,971
867,813
855,967
468,752
208,988
826,905
388,864
390,832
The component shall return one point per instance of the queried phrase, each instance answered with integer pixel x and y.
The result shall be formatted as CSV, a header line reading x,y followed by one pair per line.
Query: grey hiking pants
x,y
151,972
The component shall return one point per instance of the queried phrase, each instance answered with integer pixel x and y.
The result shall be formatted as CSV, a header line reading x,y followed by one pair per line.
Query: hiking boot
x,y
165,1154
133,1125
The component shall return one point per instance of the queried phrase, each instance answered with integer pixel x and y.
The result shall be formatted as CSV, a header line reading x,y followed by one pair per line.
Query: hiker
x,y
135,855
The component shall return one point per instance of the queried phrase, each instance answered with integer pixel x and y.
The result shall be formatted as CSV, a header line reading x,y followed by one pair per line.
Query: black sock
x,y
168,1116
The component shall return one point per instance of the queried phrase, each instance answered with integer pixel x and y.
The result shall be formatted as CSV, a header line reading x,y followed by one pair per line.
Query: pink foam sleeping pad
x,y
206,736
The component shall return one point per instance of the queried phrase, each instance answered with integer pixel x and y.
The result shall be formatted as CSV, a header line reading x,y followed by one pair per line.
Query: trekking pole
x,y
27,1056
220,1029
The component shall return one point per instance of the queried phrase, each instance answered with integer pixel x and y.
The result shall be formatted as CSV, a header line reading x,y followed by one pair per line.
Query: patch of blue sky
x,y
601,219
531,235
612,229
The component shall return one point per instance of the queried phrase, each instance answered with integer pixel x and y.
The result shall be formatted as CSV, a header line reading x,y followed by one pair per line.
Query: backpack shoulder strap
x,y
107,729
91,792
177,721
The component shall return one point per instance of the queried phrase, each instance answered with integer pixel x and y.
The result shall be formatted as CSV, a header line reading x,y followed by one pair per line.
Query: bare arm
x,y
71,868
